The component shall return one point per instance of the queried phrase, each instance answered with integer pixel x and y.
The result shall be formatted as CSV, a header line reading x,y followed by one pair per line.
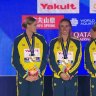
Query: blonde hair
x,y
29,20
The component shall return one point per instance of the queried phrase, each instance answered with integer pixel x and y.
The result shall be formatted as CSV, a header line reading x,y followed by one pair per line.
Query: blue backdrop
x,y
11,12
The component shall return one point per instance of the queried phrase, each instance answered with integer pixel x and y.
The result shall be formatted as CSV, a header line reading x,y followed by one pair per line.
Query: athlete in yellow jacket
x,y
65,57
29,59
90,60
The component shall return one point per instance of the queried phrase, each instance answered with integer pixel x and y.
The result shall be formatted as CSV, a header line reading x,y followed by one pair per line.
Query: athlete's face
x,y
32,27
93,34
65,28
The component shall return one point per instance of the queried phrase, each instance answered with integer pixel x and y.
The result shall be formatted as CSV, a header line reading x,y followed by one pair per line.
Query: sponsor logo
x,y
58,6
27,50
92,6
83,36
87,21
74,21
46,22
95,6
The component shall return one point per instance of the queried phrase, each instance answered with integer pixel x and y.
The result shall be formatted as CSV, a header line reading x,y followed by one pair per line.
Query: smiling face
x,y
65,28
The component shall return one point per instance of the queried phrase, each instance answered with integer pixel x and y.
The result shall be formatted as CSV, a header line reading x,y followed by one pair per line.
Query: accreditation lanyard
x,y
31,46
65,48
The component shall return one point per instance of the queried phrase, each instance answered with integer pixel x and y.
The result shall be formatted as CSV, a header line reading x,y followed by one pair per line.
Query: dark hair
x,y
64,20
29,20
94,27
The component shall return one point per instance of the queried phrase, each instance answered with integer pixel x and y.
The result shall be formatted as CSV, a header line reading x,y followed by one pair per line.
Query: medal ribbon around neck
x,y
65,48
31,46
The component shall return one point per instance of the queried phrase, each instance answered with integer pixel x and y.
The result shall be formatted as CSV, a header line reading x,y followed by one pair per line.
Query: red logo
x,y
46,21
57,6
27,50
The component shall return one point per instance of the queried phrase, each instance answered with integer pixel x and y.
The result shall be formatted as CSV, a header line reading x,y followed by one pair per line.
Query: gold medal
x,y
65,61
33,58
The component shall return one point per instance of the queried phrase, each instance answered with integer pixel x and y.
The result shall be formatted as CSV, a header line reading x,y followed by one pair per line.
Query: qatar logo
x,y
82,36
57,6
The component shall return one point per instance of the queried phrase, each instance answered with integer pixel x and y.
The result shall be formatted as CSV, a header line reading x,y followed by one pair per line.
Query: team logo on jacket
x,y
58,47
23,44
71,47
93,48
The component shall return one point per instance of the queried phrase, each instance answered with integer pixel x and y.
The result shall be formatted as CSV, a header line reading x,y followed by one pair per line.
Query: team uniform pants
x,y
26,88
65,88
92,86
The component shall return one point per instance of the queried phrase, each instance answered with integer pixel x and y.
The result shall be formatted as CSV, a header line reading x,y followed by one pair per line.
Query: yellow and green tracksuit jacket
x,y
18,54
90,57
74,48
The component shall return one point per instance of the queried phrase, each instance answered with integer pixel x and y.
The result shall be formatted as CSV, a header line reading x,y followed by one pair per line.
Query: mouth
x,y
64,32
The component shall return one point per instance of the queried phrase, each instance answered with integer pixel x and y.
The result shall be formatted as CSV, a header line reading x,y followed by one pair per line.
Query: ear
x,y
27,26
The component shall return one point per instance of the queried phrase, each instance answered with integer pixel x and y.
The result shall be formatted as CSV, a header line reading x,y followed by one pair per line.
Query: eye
x,y
35,25
67,26
62,26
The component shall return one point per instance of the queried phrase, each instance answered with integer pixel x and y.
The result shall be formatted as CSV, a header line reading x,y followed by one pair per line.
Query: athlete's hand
x,y
28,78
71,77
31,78
65,76
34,78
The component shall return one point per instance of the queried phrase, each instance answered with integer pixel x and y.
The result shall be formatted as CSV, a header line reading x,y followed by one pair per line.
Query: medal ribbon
x,y
65,48
31,47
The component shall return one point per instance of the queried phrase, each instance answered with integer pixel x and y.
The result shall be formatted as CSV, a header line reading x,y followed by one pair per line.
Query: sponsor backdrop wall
x,y
82,14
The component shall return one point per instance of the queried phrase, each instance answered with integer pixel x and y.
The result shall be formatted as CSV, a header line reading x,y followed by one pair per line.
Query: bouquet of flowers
x,y
67,66
33,71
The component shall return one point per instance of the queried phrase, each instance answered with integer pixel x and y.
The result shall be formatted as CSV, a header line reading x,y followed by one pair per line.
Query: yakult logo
x,y
27,50
58,6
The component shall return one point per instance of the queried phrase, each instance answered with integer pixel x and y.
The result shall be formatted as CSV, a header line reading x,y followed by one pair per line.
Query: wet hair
x,y
29,20
64,20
